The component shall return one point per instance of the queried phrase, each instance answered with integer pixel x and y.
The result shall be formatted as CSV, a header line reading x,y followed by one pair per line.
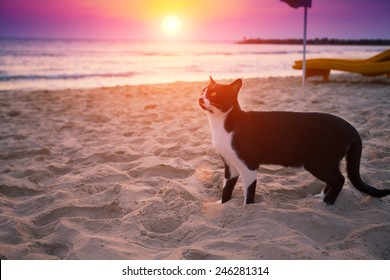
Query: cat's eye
x,y
213,94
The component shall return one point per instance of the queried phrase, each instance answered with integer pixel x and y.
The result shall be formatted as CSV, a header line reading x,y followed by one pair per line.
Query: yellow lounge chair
x,y
373,66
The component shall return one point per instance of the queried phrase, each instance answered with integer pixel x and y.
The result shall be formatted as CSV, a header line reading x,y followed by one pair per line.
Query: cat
x,y
316,141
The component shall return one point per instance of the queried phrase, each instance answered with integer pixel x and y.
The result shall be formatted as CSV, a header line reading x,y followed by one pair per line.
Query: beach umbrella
x,y
306,4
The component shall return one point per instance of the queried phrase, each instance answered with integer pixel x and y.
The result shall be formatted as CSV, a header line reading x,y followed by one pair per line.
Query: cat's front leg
x,y
249,184
230,180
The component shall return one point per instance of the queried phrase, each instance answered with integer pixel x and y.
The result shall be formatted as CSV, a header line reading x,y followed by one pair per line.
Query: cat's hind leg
x,y
331,175
230,180
334,190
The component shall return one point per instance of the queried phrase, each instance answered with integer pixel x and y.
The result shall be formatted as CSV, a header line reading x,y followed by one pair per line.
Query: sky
x,y
228,20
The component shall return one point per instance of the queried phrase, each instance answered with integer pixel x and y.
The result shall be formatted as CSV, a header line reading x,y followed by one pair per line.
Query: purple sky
x,y
202,19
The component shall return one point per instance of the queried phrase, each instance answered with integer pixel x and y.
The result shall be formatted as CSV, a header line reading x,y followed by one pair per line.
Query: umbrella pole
x,y
304,48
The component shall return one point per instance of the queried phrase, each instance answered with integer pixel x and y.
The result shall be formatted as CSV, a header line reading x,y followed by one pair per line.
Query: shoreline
x,y
205,80
129,172
335,76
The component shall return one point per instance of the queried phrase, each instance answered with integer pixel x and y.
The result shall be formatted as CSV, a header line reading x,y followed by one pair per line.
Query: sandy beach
x,y
129,172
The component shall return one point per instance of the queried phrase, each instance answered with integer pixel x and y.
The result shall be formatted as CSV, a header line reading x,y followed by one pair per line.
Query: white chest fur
x,y
222,140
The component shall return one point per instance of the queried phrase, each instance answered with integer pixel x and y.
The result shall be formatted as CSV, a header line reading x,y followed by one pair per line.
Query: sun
x,y
171,25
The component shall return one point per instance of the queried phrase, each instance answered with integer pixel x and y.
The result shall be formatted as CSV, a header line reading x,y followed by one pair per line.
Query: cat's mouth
x,y
203,105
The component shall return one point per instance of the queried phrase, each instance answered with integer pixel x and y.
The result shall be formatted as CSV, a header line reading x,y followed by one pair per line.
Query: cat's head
x,y
220,98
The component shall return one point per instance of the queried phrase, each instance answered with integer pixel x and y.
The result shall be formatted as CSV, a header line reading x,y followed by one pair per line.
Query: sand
x,y
130,173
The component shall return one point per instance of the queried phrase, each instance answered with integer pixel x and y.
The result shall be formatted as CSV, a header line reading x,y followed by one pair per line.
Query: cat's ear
x,y
236,85
212,83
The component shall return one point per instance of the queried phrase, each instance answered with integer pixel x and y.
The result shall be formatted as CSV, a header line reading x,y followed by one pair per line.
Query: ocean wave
x,y
6,78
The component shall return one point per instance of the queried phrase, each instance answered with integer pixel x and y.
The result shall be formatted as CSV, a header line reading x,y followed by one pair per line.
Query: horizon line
x,y
242,41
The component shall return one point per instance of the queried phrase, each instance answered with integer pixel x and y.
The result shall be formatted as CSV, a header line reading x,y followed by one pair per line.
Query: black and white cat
x,y
316,141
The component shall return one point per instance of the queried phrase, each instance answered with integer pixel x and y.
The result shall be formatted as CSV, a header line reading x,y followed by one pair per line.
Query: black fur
x,y
250,198
316,141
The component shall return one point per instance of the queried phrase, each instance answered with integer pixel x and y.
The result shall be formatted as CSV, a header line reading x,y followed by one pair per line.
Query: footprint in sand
x,y
25,154
376,239
41,250
15,191
100,212
167,211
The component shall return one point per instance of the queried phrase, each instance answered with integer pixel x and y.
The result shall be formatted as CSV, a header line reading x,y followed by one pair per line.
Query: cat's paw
x,y
320,195
218,201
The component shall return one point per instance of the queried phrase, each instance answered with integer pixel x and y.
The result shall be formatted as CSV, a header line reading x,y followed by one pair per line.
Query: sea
x,y
34,64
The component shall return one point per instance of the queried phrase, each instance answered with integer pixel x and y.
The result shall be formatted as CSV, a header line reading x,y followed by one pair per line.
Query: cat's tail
x,y
353,167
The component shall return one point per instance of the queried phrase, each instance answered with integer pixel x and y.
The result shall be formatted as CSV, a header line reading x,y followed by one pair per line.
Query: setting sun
x,y
171,25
